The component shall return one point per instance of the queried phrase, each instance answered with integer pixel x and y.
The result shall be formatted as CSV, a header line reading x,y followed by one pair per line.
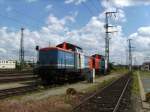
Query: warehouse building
x,y
7,64
146,66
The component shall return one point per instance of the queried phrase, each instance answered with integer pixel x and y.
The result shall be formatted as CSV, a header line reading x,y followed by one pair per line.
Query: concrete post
x,y
91,76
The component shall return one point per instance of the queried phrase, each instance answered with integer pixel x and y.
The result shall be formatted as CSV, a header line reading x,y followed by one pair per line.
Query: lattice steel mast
x,y
107,14
130,55
21,53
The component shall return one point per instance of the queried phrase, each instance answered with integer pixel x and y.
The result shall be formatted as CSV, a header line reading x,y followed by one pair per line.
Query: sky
x,y
80,22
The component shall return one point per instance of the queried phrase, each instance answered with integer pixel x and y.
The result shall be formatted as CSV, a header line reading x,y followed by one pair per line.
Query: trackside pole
x,y
91,76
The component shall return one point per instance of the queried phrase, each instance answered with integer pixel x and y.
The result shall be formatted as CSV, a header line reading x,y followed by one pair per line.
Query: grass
x,y
135,83
120,70
99,85
51,104
145,73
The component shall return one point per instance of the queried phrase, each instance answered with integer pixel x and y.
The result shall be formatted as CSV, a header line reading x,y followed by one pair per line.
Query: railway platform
x,y
144,84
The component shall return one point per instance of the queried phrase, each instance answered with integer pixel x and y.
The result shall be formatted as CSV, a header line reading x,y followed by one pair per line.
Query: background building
x,y
7,64
145,66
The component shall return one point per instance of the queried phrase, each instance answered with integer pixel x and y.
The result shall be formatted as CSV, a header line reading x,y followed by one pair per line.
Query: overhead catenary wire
x,y
89,9
95,6
36,21
98,1
12,19
33,19
91,12
19,22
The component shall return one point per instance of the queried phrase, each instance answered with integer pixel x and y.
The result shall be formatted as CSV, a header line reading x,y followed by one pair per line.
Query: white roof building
x,y
7,64
146,66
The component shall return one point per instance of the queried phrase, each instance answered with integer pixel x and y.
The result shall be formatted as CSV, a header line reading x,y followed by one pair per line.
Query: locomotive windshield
x,y
47,57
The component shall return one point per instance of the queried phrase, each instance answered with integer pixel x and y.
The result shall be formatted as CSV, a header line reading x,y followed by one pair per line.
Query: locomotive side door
x,y
82,66
77,60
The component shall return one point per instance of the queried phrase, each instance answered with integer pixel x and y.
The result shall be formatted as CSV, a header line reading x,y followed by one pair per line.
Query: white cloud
x,y
70,18
121,15
144,31
54,32
2,50
76,2
49,7
90,37
9,8
54,24
124,3
141,42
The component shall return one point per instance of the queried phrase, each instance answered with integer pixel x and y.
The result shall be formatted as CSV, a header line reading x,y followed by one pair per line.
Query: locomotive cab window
x,y
48,57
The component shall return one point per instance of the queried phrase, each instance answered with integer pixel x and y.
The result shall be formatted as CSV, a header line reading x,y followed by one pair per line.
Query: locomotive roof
x,y
97,55
54,48
69,45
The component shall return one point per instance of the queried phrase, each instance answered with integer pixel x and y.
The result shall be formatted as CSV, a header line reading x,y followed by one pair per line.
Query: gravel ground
x,y
51,100
145,78
15,84
103,101
136,103
80,87
146,83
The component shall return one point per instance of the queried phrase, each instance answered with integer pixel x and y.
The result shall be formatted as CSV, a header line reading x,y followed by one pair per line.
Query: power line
x,y
18,21
37,21
21,50
95,6
90,11
12,19
98,1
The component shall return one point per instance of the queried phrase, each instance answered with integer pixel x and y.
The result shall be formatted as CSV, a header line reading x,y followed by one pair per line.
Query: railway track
x,y
20,77
14,71
15,74
17,91
17,77
110,99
